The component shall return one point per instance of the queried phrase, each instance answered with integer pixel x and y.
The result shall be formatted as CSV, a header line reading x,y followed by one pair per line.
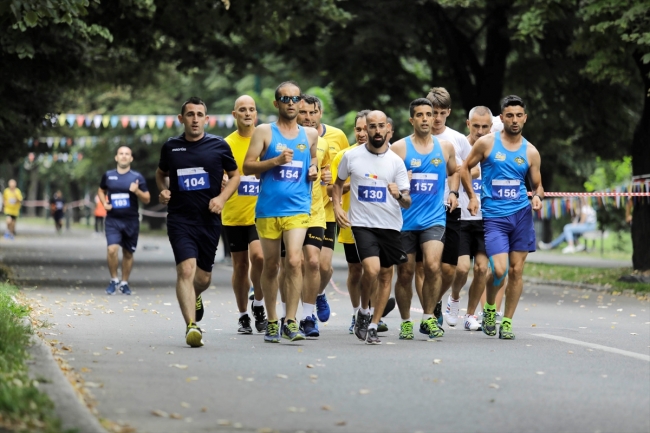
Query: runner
x,y
119,192
195,163
429,162
390,127
57,209
345,234
507,159
472,236
238,219
375,172
283,154
12,199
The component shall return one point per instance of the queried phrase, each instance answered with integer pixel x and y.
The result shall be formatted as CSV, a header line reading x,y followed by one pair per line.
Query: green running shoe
x,y
272,334
434,330
505,331
291,331
193,335
406,331
489,323
382,326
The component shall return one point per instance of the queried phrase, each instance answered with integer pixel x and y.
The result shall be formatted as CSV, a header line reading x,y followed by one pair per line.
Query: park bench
x,y
593,236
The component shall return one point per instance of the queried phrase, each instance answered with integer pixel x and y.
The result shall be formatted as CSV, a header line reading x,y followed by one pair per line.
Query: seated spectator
x,y
584,222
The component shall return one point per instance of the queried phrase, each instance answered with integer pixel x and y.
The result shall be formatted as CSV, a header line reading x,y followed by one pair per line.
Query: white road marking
x,y
596,346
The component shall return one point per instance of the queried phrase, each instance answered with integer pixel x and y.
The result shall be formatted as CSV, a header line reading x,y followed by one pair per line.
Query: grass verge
x,y
23,407
595,276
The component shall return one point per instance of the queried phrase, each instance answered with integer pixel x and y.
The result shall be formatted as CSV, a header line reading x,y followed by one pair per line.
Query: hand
x,y
472,207
108,207
164,196
285,157
537,202
410,174
453,202
341,217
393,190
312,174
134,186
216,205
325,175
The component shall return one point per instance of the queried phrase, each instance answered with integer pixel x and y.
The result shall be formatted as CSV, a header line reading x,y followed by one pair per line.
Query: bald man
x,y
379,186
238,219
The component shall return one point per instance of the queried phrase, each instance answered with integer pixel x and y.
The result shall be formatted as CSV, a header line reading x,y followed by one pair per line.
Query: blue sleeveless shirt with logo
x,y
504,180
429,173
285,190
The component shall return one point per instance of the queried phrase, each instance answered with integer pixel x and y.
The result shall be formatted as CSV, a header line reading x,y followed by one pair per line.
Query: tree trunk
x,y
32,191
641,166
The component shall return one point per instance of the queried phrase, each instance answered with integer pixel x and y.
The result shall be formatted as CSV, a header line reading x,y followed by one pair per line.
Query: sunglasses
x,y
286,99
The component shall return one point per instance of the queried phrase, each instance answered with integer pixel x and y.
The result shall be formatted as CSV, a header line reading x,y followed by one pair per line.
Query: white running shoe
x,y
543,245
569,249
471,324
451,313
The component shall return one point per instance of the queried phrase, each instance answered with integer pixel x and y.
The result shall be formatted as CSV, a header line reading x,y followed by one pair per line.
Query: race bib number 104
x,y
193,179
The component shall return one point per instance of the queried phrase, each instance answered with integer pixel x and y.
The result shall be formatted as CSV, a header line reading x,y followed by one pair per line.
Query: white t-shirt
x,y
370,203
463,201
590,213
462,149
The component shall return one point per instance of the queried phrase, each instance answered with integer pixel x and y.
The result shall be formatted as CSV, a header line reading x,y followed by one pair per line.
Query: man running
x,y
472,236
57,209
195,163
375,173
429,162
284,155
13,200
119,192
238,219
506,159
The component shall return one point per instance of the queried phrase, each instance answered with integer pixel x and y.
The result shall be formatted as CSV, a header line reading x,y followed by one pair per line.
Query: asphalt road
x,y
580,363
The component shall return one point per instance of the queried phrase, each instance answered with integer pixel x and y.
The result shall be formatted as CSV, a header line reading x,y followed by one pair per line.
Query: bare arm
x,y
143,196
476,172
453,174
312,135
482,147
340,215
217,203
535,177
161,182
102,198
259,142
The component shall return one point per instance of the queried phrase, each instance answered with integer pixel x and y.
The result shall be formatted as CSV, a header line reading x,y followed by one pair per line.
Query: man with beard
x,y
195,163
430,163
379,186
119,192
506,159
284,155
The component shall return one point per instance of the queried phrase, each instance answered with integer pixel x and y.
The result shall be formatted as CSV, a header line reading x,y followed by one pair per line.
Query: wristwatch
x,y
455,193
400,197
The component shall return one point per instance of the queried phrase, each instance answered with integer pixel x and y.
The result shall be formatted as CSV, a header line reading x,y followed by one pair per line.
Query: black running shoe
x,y
245,325
259,313
371,337
199,308
438,313
390,306
361,326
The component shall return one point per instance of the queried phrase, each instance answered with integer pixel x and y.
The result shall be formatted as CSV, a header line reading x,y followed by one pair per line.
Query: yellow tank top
x,y
12,201
240,209
345,235
317,218
337,141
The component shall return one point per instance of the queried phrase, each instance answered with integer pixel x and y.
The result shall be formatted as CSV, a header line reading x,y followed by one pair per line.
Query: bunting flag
x,y
137,121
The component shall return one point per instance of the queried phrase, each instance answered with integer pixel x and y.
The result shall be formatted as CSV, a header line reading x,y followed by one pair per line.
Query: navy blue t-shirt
x,y
195,173
124,202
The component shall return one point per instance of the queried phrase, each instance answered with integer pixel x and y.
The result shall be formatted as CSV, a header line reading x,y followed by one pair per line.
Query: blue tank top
x,y
285,190
429,173
504,180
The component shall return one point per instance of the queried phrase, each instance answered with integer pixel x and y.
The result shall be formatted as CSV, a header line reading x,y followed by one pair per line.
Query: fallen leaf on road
x,y
570,352
120,353
93,385
633,333
167,303
66,348
204,409
389,342
176,416
170,353
313,376
533,325
160,413
437,361
282,376
96,353
341,423
331,357
539,372
181,366
85,370
191,379
364,391
185,404
310,365
223,422
326,407
494,385
108,348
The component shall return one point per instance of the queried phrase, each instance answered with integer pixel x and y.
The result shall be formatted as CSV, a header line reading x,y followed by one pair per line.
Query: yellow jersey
x,y
317,212
337,141
12,201
345,234
240,207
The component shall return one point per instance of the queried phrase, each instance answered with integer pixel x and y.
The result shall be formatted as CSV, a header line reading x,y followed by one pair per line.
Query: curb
x,y
560,283
72,412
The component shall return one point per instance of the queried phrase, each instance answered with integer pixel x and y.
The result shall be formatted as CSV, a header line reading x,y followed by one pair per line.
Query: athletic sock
x,y
426,317
123,283
243,314
489,306
365,311
257,303
284,309
506,320
355,311
307,310
406,320
115,280
372,310
372,326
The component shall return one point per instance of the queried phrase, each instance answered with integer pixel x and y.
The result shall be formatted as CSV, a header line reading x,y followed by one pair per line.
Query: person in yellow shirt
x,y
238,220
13,199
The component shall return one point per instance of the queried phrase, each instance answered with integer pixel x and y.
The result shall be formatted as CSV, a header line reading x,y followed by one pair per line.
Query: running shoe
x,y
451,313
124,288
322,308
434,330
471,323
193,335
489,324
371,337
352,325
382,326
245,325
390,306
406,331
505,331
112,286
251,294
272,334
259,313
361,326
309,328
438,313
292,332
199,308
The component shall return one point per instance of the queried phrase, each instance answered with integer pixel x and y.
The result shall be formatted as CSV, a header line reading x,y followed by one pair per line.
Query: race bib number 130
x,y
193,179
505,189
375,194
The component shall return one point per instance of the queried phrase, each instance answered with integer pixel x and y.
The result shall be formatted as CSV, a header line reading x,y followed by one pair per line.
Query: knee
x,y
405,275
240,267
202,280
186,270
126,254
112,250
516,270
354,271
293,263
480,269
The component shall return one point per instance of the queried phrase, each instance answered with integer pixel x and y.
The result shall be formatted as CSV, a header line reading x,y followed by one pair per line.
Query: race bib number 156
x,y
505,189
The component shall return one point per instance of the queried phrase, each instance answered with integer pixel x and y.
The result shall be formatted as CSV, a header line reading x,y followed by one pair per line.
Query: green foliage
x,y
609,174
